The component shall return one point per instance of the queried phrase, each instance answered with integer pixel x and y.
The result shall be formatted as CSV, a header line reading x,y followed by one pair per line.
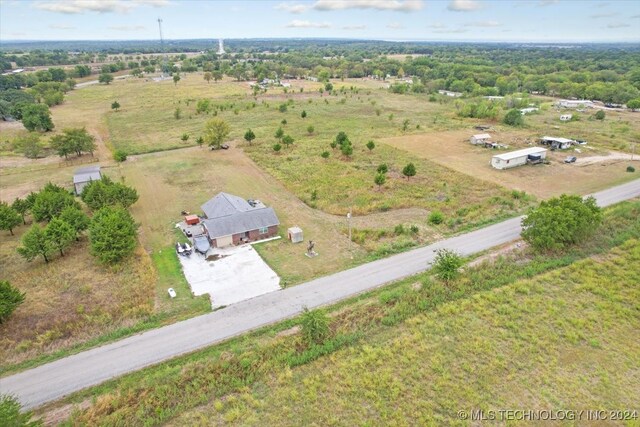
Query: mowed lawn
x,y
567,339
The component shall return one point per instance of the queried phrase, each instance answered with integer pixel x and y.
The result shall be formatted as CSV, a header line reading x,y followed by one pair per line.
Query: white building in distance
x,y
221,47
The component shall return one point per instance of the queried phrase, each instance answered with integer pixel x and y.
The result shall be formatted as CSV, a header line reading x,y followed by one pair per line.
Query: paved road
x,y
62,377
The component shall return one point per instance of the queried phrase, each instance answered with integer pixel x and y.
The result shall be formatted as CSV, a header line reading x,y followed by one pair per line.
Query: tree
x,y
10,299
380,179
29,145
105,78
50,202
371,145
303,114
287,140
310,129
383,168
9,217
215,132
115,105
36,243
347,149
12,416
208,76
21,206
199,141
37,117
328,87
176,79
277,147
560,222
177,114
98,194
409,170
447,265
600,115
279,134
76,140
325,155
217,75
514,118
342,138
112,234
405,125
249,136
634,104
184,137
315,326
60,233
77,219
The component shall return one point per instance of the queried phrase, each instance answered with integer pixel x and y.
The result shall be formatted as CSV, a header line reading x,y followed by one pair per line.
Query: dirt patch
x,y
503,250
57,416
288,332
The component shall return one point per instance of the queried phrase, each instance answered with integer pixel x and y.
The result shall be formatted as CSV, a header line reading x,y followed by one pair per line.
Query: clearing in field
x,y
452,149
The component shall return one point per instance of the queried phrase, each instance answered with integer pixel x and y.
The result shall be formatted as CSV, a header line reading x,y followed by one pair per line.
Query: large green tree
x,y
9,217
112,234
77,219
105,78
61,234
37,117
35,242
76,140
49,202
105,192
22,206
560,222
514,118
215,132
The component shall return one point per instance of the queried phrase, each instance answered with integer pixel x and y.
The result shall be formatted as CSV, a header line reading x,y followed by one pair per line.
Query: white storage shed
x,y
295,234
480,138
518,158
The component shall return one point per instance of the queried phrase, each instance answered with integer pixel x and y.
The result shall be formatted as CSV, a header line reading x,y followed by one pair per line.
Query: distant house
x,y
494,98
557,143
566,117
231,220
575,103
84,176
450,93
519,158
481,138
528,110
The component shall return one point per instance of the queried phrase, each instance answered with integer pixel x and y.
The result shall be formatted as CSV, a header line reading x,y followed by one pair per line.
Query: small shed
x,y
191,219
518,158
557,143
481,138
565,117
295,234
84,176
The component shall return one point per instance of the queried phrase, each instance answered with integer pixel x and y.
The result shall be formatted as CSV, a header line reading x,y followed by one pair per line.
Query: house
x,y
494,98
84,176
557,143
481,138
528,110
231,220
519,158
450,93
565,117
574,103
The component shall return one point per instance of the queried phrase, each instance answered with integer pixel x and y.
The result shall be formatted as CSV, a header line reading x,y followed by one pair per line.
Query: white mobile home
x,y
518,158
557,143
481,138
575,103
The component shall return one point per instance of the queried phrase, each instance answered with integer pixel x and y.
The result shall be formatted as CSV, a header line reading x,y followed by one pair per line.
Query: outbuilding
x,y
84,176
575,103
481,138
295,234
518,158
557,143
566,117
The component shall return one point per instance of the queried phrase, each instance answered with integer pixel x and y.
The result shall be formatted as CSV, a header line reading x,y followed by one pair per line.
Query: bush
x,y
447,265
315,326
514,118
600,115
399,229
10,299
120,155
631,169
12,416
436,217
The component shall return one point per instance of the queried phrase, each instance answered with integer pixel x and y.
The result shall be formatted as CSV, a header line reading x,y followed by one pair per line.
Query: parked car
x,y
201,243
172,292
570,159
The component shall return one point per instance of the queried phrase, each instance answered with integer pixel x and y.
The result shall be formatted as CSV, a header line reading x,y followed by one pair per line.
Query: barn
x,y
518,158
84,176
232,220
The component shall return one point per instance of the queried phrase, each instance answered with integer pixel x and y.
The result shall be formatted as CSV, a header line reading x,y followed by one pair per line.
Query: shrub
x,y
315,326
600,115
436,217
631,169
447,265
383,168
11,414
514,118
10,299
120,155
399,229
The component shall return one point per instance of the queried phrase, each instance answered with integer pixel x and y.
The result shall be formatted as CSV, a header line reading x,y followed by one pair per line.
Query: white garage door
x,y
224,241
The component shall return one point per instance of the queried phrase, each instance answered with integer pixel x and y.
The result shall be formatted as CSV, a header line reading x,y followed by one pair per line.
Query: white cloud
x,y
635,17
392,5
100,6
437,26
354,27
296,23
603,15
61,27
293,7
464,5
618,25
395,26
544,3
127,27
485,24
456,31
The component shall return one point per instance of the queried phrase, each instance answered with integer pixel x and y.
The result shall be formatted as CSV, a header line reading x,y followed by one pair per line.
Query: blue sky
x,y
454,20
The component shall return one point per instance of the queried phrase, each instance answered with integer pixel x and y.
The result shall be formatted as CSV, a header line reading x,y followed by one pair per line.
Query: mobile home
x,y
518,158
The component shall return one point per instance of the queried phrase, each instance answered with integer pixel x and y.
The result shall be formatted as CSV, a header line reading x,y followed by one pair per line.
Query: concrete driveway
x,y
239,274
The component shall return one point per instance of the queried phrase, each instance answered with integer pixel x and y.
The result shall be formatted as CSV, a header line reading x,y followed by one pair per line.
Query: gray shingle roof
x,y
241,222
225,204
91,173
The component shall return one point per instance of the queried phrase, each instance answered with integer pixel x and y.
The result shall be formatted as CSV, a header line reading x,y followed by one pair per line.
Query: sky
x,y
430,20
